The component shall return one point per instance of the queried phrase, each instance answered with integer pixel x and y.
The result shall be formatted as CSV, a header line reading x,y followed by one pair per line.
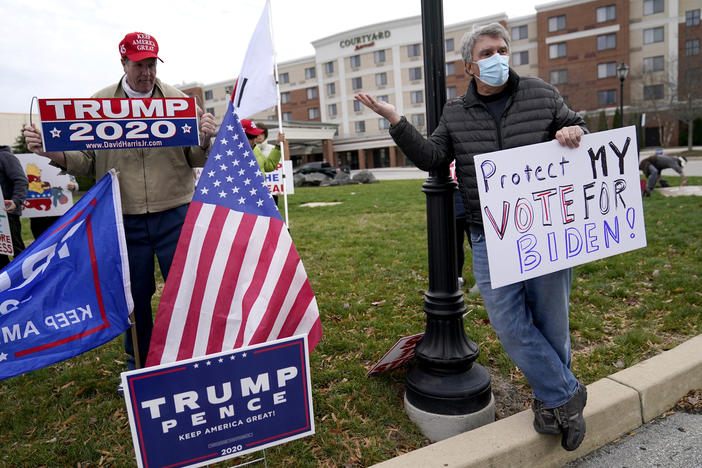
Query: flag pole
x,y
280,112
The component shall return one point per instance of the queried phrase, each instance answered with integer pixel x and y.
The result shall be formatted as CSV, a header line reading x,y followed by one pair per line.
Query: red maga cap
x,y
138,46
250,127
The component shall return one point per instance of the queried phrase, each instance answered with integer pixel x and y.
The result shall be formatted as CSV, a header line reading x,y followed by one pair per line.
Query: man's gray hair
x,y
494,30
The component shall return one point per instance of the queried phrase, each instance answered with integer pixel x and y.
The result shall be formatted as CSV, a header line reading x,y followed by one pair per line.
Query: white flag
x,y
255,88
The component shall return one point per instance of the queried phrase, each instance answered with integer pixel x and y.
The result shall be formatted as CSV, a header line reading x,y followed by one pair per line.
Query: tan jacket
x,y
150,179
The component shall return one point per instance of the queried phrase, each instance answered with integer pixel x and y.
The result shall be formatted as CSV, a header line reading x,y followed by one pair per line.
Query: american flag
x,y
236,277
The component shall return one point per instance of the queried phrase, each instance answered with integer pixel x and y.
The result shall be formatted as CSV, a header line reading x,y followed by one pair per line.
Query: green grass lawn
x,y
367,262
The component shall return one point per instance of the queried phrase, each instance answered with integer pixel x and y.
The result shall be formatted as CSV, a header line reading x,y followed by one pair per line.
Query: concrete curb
x,y
616,405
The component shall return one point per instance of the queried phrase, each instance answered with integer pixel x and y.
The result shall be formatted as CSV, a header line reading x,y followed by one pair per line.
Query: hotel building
x,y
577,45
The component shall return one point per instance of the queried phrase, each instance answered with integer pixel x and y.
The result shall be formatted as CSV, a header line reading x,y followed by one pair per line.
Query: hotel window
x,y
451,92
652,35
651,7
449,45
557,50
415,73
519,32
606,41
606,13
285,97
692,47
414,50
418,120
355,61
312,93
329,68
357,106
331,110
310,73
450,69
356,83
210,110
692,17
520,58
653,64
692,76
379,56
312,113
331,89
382,98
287,116
383,124
208,95
284,78
416,97
556,23
381,79
559,77
360,126
653,92
606,70
607,97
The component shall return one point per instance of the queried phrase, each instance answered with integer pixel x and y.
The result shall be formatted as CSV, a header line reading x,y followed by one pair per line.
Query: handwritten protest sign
x,y
546,207
114,123
47,193
202,410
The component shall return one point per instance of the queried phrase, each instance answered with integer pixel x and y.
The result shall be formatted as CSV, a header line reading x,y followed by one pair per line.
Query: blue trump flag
x,y
69,291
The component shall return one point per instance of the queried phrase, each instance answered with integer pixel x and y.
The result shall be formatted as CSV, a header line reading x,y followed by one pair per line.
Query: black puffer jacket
x,y
533,114
13,181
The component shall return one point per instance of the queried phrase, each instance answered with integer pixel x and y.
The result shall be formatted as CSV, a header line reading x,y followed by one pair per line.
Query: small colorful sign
x,y
207,409
47,193
115,123
398,355
547,207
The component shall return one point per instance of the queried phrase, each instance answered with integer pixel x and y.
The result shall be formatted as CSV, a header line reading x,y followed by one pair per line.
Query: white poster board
x,y
547,207
275,179
5,235
47,193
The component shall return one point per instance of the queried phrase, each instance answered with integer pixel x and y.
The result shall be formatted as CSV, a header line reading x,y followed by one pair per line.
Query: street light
x,y
447,392
622,71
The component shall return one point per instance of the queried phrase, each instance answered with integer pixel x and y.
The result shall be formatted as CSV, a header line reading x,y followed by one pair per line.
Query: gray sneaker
x,y
544,419
570,418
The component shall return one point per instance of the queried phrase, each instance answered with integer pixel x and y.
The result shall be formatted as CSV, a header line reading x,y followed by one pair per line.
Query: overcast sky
x,y
68,48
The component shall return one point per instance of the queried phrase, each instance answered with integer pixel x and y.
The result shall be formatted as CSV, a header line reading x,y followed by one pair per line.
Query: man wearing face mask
x,y
502,110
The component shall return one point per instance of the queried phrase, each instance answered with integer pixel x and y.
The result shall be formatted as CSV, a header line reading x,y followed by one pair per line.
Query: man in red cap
x,y
156,184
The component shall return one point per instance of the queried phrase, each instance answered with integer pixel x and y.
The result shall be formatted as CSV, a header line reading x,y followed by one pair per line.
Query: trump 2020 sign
x,y
115,123
547,207
203,410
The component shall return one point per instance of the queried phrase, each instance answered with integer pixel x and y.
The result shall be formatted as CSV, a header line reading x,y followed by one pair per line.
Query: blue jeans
x,y
148,235
531,320
653,176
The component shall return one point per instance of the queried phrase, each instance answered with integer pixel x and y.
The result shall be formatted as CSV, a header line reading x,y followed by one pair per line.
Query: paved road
x,y
693,168
670,442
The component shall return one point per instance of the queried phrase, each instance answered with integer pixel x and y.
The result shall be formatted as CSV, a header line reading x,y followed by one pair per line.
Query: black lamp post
x,y
446,380
622,71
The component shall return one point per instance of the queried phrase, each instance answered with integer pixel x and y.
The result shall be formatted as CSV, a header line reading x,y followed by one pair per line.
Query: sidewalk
x,y
617,405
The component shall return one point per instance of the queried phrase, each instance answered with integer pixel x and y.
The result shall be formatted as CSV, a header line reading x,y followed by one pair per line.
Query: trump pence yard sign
x,y
547,207
202,410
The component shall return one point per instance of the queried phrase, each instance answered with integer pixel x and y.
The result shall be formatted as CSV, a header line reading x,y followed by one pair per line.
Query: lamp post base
x,y
436,427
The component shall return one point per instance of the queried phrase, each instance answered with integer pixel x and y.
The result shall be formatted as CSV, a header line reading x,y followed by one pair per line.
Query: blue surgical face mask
x,y
494,70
